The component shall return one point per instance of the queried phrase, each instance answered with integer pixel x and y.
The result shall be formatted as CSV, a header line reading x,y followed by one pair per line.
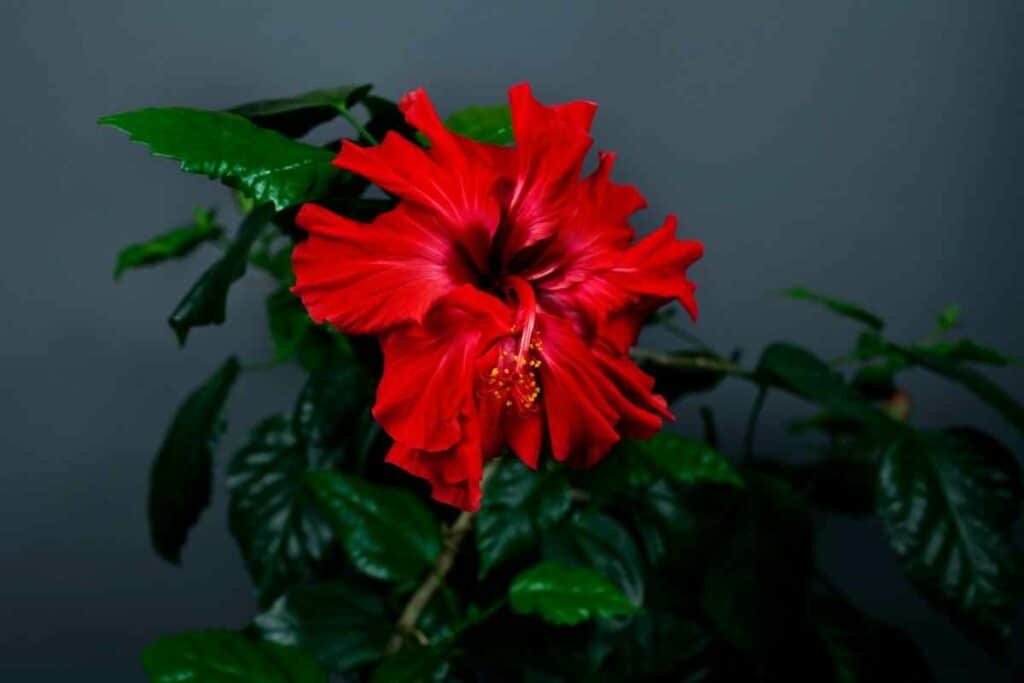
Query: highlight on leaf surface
x,y
566,595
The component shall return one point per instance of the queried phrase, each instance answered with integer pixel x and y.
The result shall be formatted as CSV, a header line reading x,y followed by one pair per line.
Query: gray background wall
x,y
870,149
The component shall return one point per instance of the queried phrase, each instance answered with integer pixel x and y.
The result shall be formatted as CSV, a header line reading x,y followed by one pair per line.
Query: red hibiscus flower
x,y
505,290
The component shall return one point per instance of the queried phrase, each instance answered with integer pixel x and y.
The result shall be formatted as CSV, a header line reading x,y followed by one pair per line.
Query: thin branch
x,y
755,412
453,537
348,116
667,360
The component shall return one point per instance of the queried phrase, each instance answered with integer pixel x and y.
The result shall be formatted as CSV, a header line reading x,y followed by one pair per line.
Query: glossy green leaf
x,y
343,622
272,516
484,124
181,479
843,308
566,595
227,657
388,533
688,461
175,244
414,663
266,165
520,503
595,540
947,500
206,302
296,116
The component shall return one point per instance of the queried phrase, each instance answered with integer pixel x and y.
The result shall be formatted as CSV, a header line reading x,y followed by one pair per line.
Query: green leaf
x,y
673,382
843,308
296,116
492,125
566,595
344,622
598,541
227,657
174,244
180,481
967,351
982,387
206,302
520,503
265,165
273,518
688,461
948,318
947,500
841,484
388,533
414,663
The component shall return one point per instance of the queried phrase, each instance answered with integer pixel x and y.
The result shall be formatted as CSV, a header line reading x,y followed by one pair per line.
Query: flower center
x,y
513,380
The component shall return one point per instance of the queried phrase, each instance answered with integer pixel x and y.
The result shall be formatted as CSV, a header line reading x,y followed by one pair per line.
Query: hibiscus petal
x,y
430,369
367,278
656,266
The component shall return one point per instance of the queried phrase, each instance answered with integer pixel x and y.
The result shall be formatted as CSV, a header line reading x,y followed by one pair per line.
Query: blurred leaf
x,y
843,484
982,387
756,583
688,461
296,336
967,351
266,165
386,117
520,503
598,541
414,663
296,116
180,481
227,657
864,649
388,533
344,622
843,308
947,500
206,302
875,381
673,382
948,318
566,595
174,244
656,642
492,125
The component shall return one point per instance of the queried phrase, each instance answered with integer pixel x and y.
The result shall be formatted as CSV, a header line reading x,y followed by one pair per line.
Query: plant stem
x,y
453,537
365,134
667,360
755,412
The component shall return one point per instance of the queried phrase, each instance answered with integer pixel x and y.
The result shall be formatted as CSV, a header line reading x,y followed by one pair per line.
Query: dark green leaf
x,y
266,165
864,649
180,481
484,124
688,461
566,595
206,302
947,500
343,622
875,382
672,381
982,387
595,540
386,117
842,484
296,116
272,516
843,308
227,657
175,244
289,323
520,503
757,581
948,318
967,351
388,533
412,664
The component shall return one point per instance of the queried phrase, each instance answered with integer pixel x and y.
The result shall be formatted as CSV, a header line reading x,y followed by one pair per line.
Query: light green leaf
x,y
265,165
520,503
388,533
344,622
566,595
484,124
843,308
227,657
175,244
948,318
181,479
206,302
